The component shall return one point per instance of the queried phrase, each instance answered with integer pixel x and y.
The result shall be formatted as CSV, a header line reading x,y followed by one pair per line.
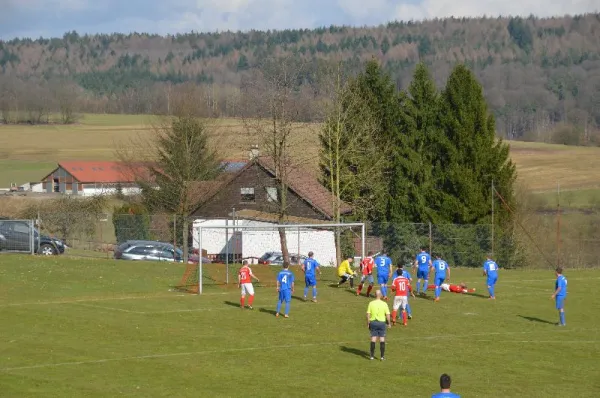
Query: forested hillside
x,y
541,76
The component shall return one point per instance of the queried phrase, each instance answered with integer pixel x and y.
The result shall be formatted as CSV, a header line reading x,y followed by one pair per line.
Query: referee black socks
x,y
381,348
372,349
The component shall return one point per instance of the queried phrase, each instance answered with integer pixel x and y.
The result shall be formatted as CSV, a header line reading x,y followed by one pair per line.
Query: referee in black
x,y
378,320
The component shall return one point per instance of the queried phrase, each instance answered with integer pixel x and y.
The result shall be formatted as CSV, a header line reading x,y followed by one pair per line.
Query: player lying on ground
x,y
462,288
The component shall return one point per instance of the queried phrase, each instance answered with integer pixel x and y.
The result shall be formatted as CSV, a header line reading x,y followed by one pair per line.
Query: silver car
x,y
276,258
148,250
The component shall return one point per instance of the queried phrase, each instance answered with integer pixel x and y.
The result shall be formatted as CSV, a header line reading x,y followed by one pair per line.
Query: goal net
x,y
223,245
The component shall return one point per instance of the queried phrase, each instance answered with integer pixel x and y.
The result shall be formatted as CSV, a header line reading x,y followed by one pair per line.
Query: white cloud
x,y
428,9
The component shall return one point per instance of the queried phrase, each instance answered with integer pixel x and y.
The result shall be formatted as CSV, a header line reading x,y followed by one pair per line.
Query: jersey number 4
x,y
284,279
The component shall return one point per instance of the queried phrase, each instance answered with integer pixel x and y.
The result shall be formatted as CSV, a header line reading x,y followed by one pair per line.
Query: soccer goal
x,y
223,245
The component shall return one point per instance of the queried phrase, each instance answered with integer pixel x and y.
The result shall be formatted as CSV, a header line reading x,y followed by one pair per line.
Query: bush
x,y
131,221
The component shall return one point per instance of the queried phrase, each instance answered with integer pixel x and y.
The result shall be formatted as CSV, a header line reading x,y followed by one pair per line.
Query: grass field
x,y
92,328
27,153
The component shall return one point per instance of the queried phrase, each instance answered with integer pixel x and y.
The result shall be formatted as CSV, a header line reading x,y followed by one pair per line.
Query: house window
x,y
272,194
247,195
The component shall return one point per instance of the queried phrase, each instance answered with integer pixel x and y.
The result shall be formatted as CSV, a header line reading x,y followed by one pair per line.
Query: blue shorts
x,y
310,281
285,295
439,280
560,302
367,278
423,274
491,281
382,279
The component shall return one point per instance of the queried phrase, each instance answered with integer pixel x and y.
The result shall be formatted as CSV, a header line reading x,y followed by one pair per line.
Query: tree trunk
x,y
185,239
284,248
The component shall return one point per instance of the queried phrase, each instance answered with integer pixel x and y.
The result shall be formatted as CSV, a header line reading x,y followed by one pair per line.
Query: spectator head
x,y
445,381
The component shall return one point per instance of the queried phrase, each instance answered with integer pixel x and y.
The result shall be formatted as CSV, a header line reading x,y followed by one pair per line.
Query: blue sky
x,y
51,18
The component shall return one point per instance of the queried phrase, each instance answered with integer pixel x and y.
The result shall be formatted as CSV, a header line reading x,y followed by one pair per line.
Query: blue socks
x,y
491,290
384,290
287,308
438,290
418,286
278,307
305,291
314,292
408,310
561,315
425,286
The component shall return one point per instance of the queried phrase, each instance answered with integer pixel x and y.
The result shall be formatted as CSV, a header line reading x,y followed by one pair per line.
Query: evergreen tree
x,y
470,156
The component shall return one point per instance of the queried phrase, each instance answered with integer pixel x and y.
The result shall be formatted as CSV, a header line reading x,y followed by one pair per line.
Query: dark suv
x,y
16,236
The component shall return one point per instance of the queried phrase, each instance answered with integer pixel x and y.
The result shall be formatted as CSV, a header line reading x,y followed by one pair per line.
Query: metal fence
x,y
19,236
537,241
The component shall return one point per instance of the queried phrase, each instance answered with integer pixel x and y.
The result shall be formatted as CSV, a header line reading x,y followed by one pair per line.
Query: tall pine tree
x,y
470,155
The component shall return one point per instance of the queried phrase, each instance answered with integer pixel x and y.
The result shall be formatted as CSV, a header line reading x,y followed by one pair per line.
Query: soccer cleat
x,y
436,299
410,317
372,358
383,358
250,307
393,323
385,298
405,324
304,298
277,315
286,316
314,300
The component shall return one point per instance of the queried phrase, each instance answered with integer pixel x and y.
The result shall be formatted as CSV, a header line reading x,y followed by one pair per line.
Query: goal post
x,y
227,243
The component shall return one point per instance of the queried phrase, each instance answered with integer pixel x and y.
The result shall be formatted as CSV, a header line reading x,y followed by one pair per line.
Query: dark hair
x,y
445,381
399,272
245,262
286,265
369,253
559,270
310,254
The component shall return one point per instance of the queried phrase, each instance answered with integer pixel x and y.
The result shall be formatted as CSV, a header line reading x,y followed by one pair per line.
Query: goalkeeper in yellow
x,y
345,272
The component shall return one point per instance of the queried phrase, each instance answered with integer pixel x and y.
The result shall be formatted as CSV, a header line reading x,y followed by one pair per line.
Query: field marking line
x,y
256,348
107,308
537,341
106,299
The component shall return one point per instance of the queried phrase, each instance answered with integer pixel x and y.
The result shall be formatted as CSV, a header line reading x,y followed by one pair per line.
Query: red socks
x,y
250,300
404,317
359,289
369,290
242,301
394,313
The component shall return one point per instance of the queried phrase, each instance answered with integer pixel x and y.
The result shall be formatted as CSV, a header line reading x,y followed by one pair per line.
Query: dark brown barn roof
x,y
299,181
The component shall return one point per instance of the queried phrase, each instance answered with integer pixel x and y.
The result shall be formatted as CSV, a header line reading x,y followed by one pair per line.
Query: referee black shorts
x,y
377,328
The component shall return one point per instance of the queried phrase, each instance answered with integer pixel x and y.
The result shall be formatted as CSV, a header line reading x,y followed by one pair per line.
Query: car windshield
x,y
178,252
266,256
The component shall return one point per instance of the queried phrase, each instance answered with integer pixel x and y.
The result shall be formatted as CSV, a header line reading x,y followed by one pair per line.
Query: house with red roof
x,y
89,178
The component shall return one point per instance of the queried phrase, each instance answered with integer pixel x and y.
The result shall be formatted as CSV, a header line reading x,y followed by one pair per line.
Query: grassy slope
x,y
102,328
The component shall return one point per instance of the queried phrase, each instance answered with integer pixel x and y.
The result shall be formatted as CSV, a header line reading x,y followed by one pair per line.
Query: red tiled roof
x,y
307,187
103,172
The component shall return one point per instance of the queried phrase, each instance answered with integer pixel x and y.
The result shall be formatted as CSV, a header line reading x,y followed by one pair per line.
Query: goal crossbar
x,y
274,227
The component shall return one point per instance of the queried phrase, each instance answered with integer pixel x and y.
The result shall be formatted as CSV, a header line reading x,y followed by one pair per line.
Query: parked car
x,y
276,258
16,236
150,250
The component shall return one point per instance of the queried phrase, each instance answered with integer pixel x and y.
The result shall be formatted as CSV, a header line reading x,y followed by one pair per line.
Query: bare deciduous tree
x,y
270,107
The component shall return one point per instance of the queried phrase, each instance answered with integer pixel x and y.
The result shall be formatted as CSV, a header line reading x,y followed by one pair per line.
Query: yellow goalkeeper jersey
x,y
345,268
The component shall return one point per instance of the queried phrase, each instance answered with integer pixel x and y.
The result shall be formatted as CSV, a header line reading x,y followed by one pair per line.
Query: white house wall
x,y
255,243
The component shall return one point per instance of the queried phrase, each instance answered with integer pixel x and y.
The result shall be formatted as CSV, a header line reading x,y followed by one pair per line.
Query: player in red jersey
x,y
462,288
401,285
366,266
245,276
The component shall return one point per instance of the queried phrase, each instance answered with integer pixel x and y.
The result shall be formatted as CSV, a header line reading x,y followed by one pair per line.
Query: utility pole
x,y
493,189
558,224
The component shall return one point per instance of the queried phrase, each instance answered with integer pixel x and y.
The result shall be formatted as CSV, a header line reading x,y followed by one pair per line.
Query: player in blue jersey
x,y
384,272
309,267
422,264
490,270
445,383
285,288
560,294
441,272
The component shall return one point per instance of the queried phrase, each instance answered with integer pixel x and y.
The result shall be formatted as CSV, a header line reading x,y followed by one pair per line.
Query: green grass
x,y
577,199
91,328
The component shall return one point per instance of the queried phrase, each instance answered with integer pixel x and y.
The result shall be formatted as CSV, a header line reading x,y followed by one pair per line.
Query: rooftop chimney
x,y
254,152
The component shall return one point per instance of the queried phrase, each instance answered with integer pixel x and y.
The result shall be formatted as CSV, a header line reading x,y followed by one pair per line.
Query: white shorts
x,y
247,288
445,287
400,302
